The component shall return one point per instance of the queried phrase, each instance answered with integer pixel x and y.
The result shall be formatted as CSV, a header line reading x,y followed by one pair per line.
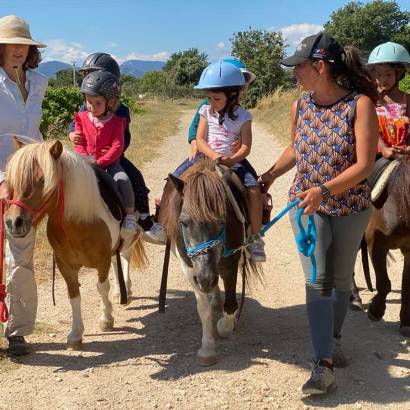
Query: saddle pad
x,y
382,179
109,193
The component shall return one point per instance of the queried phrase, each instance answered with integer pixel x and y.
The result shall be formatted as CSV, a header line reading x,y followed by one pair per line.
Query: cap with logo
x,y
316,47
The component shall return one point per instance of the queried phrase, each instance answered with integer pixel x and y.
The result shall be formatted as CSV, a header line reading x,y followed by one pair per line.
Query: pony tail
x,y
351,73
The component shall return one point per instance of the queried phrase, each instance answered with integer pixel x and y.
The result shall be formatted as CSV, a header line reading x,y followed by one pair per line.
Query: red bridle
x,y
36,213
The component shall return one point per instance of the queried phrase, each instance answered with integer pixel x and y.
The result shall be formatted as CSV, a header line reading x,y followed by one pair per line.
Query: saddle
x,y
383,169
109,193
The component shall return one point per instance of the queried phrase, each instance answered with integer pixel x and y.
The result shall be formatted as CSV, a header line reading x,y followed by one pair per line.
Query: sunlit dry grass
x,y
273,111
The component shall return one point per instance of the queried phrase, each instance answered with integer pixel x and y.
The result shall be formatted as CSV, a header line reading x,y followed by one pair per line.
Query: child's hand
x,y
105,149
236,145
193,150
401,150
75,138
388,152
226,161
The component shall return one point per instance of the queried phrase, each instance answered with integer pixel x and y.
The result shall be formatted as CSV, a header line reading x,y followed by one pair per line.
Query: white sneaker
x,y
156,235
257,250
129,226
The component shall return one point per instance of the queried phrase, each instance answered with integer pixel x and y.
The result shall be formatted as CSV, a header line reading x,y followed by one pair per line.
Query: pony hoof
x,y
106,325
405,331
223,330
75,345
373,317
207,360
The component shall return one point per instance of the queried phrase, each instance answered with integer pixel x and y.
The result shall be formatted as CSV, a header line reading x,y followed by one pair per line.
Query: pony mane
x,y
205,197
81,193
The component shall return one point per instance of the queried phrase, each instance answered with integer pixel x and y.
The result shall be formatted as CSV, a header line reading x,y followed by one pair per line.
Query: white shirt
x,y
221,137
19,117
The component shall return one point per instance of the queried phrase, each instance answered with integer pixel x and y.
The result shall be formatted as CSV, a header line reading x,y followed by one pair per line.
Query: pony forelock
x,y
82,200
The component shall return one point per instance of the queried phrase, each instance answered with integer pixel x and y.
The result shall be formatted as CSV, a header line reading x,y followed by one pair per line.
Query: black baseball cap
x,y
316,47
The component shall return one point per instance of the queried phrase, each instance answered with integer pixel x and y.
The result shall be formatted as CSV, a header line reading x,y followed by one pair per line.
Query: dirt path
x,y
149,361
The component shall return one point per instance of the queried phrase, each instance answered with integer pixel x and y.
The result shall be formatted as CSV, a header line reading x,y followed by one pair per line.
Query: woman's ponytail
x,y
350,72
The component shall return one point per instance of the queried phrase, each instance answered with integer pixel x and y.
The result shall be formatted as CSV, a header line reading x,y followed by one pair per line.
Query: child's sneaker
x,y
257,250
129,226
322,379
156,235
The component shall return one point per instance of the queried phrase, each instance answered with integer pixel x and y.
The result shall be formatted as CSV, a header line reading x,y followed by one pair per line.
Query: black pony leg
x,y
405,298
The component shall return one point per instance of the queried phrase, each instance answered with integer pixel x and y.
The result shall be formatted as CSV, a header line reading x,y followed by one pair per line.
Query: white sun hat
x,y
15,30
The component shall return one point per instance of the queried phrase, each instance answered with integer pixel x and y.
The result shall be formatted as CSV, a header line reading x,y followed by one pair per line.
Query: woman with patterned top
x,y
388,63
334,137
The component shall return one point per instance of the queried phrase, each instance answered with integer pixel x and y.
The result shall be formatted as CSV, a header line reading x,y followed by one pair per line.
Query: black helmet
x,y
101,83
101,61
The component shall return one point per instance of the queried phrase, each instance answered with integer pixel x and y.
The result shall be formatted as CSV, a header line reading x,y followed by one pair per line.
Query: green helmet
x,y
389,53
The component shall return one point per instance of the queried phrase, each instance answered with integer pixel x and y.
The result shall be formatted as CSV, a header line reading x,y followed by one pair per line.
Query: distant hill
x,y
135,68
50,68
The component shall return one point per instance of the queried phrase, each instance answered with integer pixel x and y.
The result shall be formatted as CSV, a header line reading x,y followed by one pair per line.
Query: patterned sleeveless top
x,y
393,123
325,146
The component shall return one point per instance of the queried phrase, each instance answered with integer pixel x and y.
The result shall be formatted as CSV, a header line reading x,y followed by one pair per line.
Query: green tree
x,y
261,52
368,25
59,106
185,67
64,78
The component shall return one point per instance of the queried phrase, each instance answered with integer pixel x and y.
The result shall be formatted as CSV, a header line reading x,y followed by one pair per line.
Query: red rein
x,y
36,213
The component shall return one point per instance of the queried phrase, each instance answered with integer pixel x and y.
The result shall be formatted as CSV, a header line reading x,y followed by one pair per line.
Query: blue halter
x,y
305,239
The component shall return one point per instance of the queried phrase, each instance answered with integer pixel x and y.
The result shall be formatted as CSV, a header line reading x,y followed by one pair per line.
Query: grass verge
x,y
273,112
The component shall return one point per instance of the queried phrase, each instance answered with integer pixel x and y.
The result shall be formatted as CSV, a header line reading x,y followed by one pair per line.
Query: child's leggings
x,y
337,244
123,184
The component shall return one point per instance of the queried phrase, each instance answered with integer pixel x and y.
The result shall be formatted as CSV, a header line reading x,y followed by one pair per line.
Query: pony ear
x,y
178,183
56,149
18,144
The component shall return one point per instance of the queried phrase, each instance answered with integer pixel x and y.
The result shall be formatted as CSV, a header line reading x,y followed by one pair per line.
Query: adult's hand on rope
x,y
193,151
4,191
311,200
266,180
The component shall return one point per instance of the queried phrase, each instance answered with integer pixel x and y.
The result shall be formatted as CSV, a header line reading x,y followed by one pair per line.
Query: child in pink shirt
x,y
100,128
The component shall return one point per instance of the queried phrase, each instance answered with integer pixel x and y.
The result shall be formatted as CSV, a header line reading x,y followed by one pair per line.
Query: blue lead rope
x,y
305,239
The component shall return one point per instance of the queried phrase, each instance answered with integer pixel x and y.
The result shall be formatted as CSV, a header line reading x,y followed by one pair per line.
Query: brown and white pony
x,y
389,228
204,228
45,179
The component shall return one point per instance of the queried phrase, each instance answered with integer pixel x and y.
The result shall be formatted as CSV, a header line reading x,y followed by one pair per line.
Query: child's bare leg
x,y
255,203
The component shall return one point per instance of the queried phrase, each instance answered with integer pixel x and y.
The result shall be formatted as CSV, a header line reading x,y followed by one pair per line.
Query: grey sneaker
x,y
339,359
156,234
257,250
18,346
321,381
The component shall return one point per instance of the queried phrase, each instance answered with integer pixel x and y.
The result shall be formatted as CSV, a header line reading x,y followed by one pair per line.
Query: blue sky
x,y
154,29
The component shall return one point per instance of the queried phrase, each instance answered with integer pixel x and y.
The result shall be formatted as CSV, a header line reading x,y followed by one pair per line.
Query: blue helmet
x,y
220,75
389,53
249,75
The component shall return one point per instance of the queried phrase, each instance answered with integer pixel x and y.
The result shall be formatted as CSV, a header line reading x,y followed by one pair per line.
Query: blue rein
x,y
305,239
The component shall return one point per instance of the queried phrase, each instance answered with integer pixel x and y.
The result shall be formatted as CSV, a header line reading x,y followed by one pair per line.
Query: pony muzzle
x,y
18,225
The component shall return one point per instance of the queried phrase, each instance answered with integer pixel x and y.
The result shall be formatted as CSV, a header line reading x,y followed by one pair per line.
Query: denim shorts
x,y
245,175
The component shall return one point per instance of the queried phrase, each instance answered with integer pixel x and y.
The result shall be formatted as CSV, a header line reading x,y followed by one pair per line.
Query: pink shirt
x,y
99,134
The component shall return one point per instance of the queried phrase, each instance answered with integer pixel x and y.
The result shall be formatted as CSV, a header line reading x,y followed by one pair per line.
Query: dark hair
x,y
33,57
351,73
232,101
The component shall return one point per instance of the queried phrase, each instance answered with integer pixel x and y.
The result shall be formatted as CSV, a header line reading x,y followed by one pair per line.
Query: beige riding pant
x,y
21,286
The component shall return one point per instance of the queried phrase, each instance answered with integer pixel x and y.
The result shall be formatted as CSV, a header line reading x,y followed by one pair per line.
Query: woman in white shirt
x,y
21,94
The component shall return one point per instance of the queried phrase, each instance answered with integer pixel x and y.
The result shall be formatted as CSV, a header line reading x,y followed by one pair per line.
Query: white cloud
x,y
221,45
294,33
68,52
65,51
161,56
112,44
